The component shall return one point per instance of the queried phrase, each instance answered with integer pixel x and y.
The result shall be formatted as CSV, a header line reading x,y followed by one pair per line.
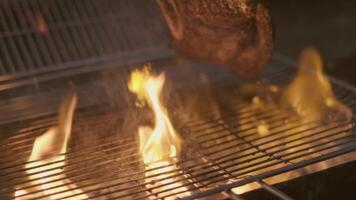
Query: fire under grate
x,y
221,152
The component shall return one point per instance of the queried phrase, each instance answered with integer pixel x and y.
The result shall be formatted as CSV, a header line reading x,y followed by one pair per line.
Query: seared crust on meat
x,y
236,33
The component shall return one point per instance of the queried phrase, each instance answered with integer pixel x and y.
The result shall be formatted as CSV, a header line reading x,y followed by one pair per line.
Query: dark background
x,y
330,26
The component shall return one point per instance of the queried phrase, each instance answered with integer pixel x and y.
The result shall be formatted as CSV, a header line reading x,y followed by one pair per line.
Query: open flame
x,y
311,98
46,162
162,142
159,145
310,93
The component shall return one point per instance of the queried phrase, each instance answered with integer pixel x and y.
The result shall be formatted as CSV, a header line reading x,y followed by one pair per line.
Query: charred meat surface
x,y
236,33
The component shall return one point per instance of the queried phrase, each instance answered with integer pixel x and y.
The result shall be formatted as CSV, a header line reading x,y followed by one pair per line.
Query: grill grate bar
x,y
19,40
30,141
19,142
274,190
226,159
30,39
271,173
240,131
342,93
295,157
224,151
41,45
346,149
279,150
270,118
265,149
218,176
210,118
268,158
273,134
48,36
72,158
233,145
8,47
245,115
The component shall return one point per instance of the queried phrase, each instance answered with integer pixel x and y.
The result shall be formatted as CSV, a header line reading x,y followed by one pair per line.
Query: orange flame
x,y
310,93
311,97
162,142
47,160
159,146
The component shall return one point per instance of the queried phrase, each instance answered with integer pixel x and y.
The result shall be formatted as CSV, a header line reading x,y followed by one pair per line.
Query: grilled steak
x,y
236,33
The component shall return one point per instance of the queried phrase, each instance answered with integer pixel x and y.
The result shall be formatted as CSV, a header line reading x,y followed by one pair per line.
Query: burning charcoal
x,y
237,33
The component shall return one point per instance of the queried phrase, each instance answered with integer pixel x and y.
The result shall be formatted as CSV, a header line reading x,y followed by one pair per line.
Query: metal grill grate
x,y
221,151
41,36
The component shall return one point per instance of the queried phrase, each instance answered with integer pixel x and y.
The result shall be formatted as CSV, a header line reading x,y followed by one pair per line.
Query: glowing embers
x,y
159,145
47,159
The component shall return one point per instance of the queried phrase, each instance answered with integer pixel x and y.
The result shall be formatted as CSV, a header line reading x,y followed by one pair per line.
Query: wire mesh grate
x,y
41,36
221,151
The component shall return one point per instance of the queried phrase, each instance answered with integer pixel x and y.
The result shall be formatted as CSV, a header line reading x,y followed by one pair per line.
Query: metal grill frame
x,y
290,64
81,36
212,168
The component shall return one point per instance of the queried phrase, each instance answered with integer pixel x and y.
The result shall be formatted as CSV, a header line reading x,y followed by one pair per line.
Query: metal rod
x,y
271,173
62,161
274,190
184,185
269,119
319,138
273,164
